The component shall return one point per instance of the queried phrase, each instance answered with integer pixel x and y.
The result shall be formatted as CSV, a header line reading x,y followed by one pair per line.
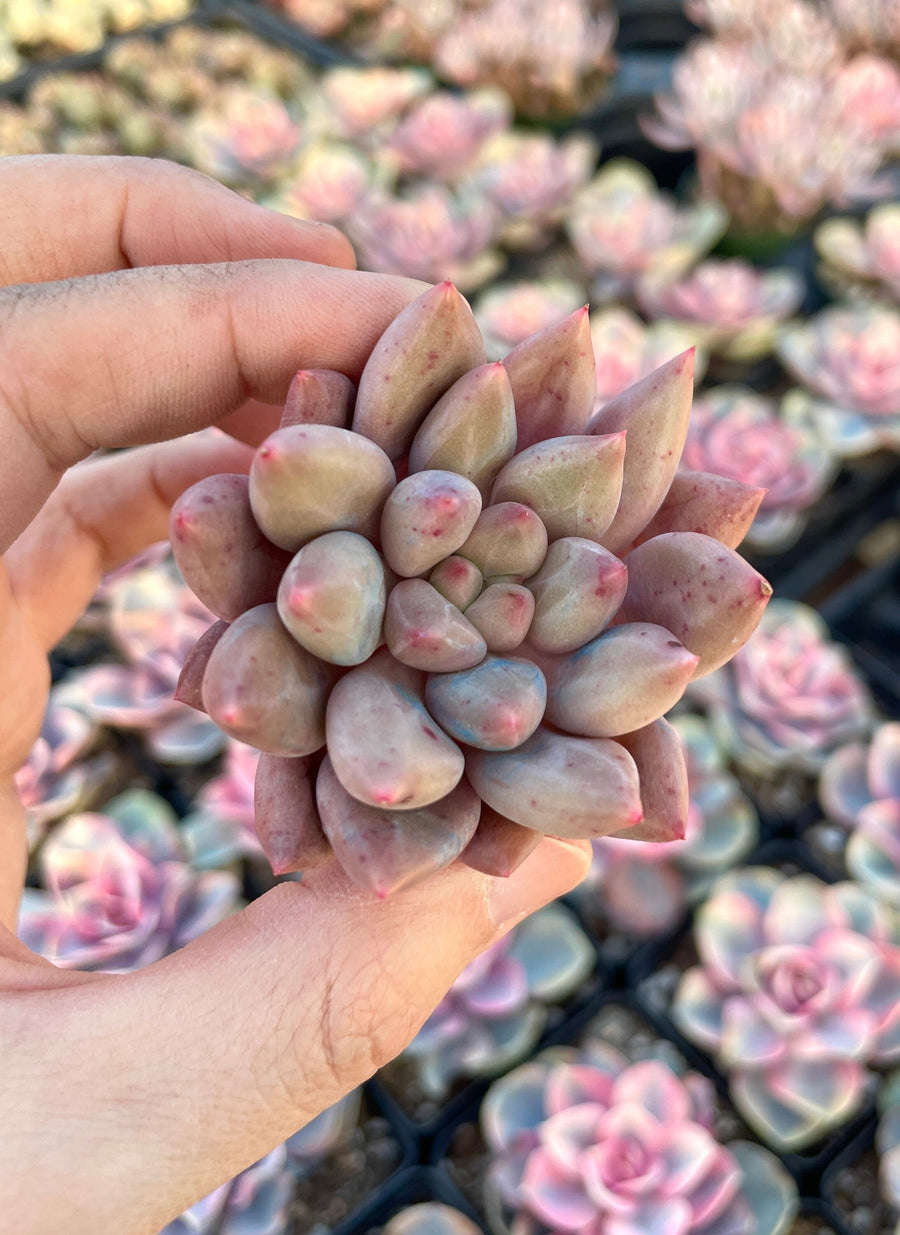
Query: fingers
x,y
67,215
13,854
224,1049
102,513
141,355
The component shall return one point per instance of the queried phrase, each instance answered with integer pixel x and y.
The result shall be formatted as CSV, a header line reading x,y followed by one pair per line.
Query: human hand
x,y
142,302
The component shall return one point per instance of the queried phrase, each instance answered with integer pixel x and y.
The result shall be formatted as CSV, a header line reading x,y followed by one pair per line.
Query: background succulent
x,y
430,1218
798,990
862,257
118,892
738,433
626,349
473,657
847,357
222,826
507,313
860,789
496,1010
586,1141
887,1139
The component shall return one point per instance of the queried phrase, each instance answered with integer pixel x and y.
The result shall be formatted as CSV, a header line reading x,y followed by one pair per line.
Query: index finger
x,y
139,356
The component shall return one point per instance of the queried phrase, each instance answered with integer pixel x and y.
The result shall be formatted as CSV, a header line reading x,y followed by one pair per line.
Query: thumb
x,y
185,1073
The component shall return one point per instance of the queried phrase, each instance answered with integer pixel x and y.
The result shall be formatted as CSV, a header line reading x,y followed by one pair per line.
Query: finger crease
x,y
245,386
86,529
123,225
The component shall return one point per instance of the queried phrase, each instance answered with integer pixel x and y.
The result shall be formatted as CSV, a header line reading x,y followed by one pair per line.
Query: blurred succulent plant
x,y
324,1134
496,1010
585,1141
154,620
222,828
626,349
623,228
430,1218
868,25
531,179
645,889
734,307
860,789
738,433
790,697
849,359
59,775
119,893
326,18
428,232
72,26
243,137
256,1202
862,258
443,133
798,990
327,183
391,801
507,313
887,1139
364,104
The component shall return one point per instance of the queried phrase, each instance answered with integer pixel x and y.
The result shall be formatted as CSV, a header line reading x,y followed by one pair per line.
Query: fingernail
x,y
553,868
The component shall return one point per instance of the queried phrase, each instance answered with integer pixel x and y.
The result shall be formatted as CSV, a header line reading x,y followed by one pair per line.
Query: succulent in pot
x,y
440,637
586,1141
797,992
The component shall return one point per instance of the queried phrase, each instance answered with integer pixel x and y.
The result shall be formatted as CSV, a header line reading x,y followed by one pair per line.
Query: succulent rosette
x,y
364,104
428,232
644,889
222,827
735,307
790,697
496,1010
531,179
848,357
623,228
862,257
118,892
443,133
584,1141
738,433
153,620
415,610
244,137
430,1218
327,183
860,789
507,313
797,992
626,349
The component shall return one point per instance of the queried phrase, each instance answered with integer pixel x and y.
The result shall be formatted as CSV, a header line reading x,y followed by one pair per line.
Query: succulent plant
x,y
326,18
887,1139
860,789
256,1202
72,26
624,228
118,891
798,990
222,827
496,1010
867,25
327,183
364,104
243,137
507,313
378,735
324,1134
428,232
586,1141
531,179
862,258
644,889
60,775
153,620
738,433
734,307
790,697
430,1218
849,359
626,349
442,134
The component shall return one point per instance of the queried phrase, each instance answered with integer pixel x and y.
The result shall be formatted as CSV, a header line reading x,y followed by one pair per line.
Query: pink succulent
x,y
326,18
790,697
860,789
360,103
586,1142
645,888
222,828
887,1139
245,137
623,227
626,349
430,234
496,1010
797,991
862,258
735,307
531,179
867,99
327,184
256,1202
508,313
735,432
850,358
119,893
443,133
